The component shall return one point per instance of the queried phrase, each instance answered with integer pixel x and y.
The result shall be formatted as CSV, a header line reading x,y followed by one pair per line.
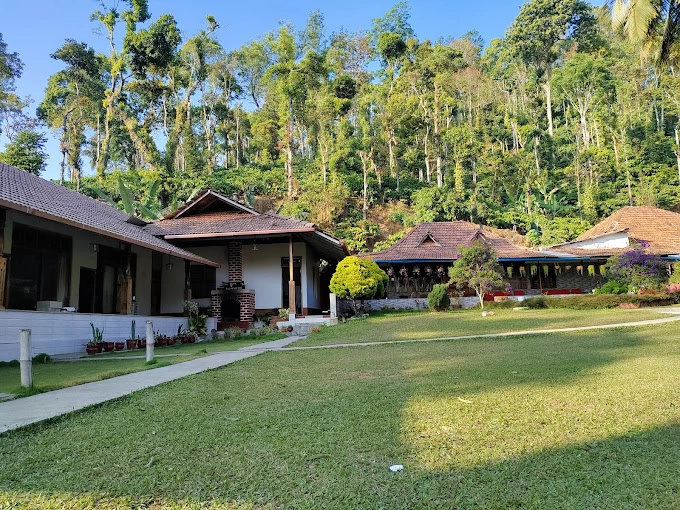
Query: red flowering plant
x,y
637,268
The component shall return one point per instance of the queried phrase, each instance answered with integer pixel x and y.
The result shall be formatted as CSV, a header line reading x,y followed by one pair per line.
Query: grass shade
x,y
415,325
576,420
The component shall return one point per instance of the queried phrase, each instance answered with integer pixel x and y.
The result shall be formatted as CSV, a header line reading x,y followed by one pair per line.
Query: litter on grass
x,y
396,467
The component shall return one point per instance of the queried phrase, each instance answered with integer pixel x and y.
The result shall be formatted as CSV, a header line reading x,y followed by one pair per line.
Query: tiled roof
x,y
207,198
30,194
228,223
448,236
657,229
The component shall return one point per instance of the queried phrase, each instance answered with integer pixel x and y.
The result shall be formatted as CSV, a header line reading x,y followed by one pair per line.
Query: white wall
x,y
172,287
617,240
64,333
262,273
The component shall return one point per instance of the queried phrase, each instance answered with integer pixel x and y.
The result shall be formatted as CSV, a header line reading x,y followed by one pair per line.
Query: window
x,y
202,281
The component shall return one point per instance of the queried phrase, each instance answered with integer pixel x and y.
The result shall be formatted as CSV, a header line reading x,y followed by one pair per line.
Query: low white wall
x,y
64,333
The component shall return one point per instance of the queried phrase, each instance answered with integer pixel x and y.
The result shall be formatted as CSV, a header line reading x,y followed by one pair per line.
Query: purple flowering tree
x,y
477,268
637,269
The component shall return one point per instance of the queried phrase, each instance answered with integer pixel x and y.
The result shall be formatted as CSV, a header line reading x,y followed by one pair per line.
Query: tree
x,y
357,278
535,35
654,24
26,151
477,268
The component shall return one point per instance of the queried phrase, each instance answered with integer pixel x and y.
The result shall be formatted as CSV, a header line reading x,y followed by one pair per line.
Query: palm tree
x,y
655,24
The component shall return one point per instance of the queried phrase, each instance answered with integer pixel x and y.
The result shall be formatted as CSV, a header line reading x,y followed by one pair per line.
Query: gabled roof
x,y
448,236
230,224
656,229
29,194
226,224
208,200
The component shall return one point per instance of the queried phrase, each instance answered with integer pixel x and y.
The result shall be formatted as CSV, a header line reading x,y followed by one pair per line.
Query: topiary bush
x,y
438,300
358,279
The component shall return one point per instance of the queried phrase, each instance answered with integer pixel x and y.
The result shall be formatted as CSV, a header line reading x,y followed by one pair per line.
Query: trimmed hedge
x,y
593,301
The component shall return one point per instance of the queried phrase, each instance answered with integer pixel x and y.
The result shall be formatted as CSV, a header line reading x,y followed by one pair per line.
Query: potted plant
x,y
119,346
196,320
160,340
132,341
283,316
96,343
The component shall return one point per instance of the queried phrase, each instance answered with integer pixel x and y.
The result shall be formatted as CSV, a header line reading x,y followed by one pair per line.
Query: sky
x,y
36,28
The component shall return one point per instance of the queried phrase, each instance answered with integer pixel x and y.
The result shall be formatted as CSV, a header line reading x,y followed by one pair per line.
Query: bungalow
x,y
657,230
61,251
423,257
266,261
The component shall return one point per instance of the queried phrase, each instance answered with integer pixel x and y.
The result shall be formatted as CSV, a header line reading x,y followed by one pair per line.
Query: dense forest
x,y
574,113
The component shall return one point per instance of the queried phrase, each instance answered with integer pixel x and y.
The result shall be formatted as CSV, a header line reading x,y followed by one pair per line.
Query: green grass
x,y
577,420
55,375
412,325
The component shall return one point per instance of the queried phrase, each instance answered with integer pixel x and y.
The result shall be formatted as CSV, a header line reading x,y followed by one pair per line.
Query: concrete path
x,y
26,411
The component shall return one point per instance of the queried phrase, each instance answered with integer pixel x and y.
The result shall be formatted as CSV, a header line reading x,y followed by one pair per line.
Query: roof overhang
x,y
169,250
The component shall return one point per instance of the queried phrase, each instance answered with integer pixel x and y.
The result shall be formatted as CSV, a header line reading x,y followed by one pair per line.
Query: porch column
x,y
291,278
3,259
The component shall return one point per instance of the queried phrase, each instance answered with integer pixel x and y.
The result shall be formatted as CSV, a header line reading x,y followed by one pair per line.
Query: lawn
x,y
575,420
52,376
412,325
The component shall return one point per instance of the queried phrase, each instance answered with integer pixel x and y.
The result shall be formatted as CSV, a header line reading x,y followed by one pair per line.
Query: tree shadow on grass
x,y
307,429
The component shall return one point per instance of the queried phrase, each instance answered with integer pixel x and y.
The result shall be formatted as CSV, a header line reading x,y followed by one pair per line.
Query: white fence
x,y
65,333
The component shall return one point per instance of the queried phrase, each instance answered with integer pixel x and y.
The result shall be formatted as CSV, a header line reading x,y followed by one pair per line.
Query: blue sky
x,y
36,28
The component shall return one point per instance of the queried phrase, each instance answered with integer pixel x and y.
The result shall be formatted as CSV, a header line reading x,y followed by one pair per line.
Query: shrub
x,y
438,300
637,268
357,278
675,275
612,287
43,357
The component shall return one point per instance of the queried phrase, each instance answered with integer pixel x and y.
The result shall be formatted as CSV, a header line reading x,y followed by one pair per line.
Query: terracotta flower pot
x,y
161,341
171,340
141,344
100,346
119,346
91,349
131,344
108,346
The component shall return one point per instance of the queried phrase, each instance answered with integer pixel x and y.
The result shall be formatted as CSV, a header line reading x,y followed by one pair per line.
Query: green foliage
x,y
26,151
42,357
357,236
391,239
675,275
477,268
612,287
636,269
438,299
358,279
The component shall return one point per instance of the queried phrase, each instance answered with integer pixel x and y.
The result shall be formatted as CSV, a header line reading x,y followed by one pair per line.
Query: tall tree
x,y
535,36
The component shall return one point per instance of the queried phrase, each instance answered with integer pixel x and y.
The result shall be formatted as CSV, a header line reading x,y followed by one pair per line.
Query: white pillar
x,y
334,306
25,358
149,341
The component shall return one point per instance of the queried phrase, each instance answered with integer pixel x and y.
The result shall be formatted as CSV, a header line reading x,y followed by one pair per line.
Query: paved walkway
x,y
26,411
